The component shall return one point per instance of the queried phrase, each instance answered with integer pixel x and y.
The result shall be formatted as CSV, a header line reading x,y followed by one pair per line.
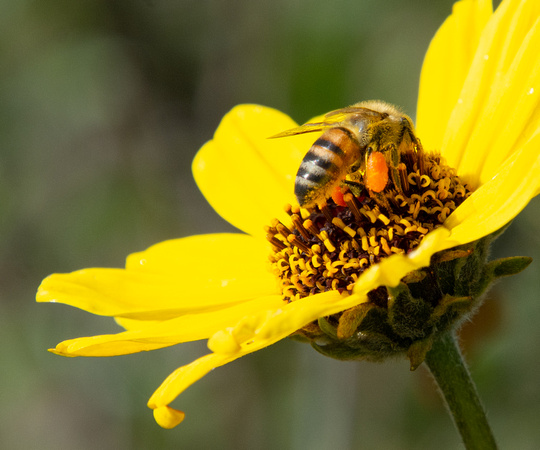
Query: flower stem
x,y
449,370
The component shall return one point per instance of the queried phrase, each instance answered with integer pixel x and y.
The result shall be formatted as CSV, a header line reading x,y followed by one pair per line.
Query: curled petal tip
x,y
43,294
167,417
58,350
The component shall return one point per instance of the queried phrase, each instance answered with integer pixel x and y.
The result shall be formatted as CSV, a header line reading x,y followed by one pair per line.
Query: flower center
x,y
329,246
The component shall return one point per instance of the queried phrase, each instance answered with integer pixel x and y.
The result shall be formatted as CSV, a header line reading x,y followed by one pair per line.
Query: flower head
x,y
478,108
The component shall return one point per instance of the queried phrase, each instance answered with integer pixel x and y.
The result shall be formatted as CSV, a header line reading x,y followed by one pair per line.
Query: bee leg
x,y
392,159
419,155
355,187
394,173
411,142
380,199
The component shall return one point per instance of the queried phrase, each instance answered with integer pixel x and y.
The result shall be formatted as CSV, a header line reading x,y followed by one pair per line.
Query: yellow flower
x,y
479,106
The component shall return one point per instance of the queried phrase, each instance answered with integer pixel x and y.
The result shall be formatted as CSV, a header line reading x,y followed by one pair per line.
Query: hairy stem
x,y
450,372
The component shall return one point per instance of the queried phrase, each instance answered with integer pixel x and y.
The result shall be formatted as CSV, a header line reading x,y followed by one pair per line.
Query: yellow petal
x,y
221,252
105,345
176,277
185,376
478,106
501,199
168,417
511,114
156,335
246,177
446,66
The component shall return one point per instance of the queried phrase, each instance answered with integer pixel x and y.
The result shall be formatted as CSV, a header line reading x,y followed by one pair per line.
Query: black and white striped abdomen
x,y
325,165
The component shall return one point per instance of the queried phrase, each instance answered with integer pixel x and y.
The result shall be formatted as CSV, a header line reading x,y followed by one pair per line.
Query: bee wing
x,y
331,120
339,115
306,128
345,111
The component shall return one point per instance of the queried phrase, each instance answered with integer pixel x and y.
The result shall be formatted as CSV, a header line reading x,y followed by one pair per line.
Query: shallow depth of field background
x,y
103,105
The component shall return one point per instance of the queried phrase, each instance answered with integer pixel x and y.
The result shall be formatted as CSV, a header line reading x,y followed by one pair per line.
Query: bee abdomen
x,y
324,165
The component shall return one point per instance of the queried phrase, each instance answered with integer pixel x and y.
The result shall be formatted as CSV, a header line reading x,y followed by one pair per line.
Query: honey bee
x,y
365,139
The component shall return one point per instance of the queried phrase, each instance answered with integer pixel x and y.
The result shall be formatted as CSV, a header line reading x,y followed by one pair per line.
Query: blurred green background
x,y
103,105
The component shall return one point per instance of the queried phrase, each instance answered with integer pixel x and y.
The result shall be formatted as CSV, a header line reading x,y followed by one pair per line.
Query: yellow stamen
x,y
383,219
340,224
327,242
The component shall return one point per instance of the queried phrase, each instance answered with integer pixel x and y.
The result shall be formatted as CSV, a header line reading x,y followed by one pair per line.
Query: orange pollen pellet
x,y
376,177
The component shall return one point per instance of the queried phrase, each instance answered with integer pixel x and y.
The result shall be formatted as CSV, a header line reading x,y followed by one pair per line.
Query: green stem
x,y
454,380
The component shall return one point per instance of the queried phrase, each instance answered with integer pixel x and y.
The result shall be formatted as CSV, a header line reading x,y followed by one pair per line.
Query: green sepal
x,y
508,266
351,319
450,304
417,352
365,346
341,352
327,328
407,314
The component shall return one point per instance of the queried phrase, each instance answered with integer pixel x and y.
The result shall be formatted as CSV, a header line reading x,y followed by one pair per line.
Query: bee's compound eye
x,y
376,177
